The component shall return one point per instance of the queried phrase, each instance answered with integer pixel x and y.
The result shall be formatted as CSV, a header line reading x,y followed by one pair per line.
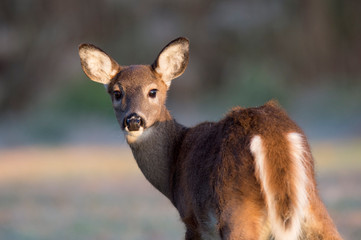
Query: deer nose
x,y
133,122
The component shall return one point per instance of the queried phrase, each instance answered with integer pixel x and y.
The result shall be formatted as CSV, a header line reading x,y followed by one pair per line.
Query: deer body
x,y
248,176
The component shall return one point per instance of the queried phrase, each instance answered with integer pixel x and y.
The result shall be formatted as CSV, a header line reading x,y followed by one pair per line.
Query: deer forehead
x,y
138,76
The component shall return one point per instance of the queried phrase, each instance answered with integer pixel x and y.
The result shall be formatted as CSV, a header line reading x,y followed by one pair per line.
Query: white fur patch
x,y
132,136
99,64
139,135
259,154
297,154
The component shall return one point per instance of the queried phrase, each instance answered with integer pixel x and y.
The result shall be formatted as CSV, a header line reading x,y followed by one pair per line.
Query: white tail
x,y
248,176
286,203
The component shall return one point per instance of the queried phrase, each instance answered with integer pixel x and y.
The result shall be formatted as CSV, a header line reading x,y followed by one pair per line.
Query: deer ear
x,y
172,60
96,64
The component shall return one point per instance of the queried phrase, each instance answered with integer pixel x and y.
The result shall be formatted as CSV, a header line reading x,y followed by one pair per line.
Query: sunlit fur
x,y
97,64
249,176
297,185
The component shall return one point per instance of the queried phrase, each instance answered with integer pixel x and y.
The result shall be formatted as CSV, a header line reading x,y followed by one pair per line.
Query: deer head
x,y
138,92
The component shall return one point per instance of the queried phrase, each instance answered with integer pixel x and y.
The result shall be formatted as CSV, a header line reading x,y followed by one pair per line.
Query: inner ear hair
x,y
172,60
97,64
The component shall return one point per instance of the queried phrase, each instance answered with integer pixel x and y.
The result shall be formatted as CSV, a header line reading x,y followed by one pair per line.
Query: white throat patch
x,y
133,136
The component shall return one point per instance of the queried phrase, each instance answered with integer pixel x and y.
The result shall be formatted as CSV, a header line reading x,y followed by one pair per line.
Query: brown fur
x,y
209,171
221,175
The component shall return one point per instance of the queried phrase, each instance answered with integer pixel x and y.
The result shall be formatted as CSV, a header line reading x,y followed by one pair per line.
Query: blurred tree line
x,y
243,52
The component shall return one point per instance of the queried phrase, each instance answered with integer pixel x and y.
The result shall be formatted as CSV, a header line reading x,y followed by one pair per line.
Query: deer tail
x,y
281,164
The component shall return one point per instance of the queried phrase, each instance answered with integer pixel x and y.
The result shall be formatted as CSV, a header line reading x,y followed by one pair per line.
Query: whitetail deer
x,y
248,176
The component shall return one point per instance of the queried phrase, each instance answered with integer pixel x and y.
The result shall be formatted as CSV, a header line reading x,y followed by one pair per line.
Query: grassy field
x,y
98,192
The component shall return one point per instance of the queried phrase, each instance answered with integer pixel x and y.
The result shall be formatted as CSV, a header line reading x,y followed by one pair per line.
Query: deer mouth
x,y
133,136
135,133
133,128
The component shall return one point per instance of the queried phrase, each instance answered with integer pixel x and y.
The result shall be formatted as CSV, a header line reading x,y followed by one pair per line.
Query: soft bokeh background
x,y
65,172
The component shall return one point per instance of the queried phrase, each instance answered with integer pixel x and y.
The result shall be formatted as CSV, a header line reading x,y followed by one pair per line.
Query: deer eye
x,y
153,93
117,95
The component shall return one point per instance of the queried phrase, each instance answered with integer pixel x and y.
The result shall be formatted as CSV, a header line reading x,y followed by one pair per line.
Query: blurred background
x,y
66,172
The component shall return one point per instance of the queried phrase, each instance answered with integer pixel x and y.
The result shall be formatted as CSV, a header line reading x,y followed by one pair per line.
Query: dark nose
x,y
133,122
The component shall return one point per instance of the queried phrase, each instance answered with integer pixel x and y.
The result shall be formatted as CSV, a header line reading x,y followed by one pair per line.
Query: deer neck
x,y
155,152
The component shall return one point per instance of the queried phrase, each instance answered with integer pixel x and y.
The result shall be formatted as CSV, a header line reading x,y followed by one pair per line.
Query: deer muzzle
x,y
133,122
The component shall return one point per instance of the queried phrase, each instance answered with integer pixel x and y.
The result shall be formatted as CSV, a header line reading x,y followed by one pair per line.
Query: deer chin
x,y
133,136
137,136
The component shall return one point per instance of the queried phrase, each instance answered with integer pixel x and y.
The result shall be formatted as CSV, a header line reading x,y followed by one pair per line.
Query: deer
x,y
249,176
